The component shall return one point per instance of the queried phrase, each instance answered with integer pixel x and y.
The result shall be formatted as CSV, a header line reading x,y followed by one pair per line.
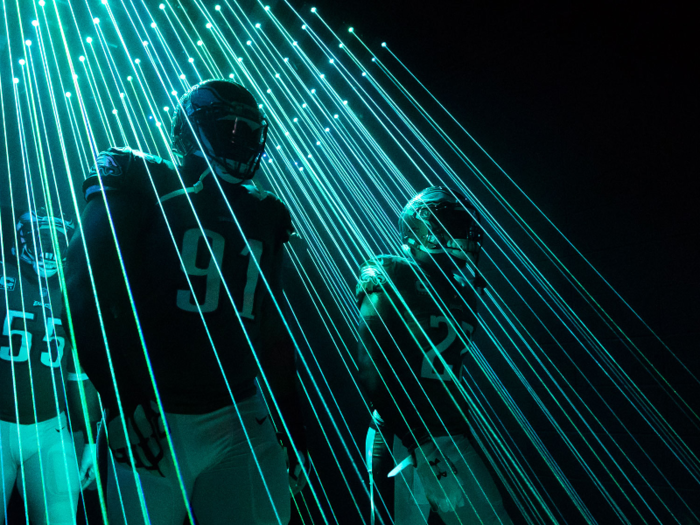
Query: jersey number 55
x,y
21,353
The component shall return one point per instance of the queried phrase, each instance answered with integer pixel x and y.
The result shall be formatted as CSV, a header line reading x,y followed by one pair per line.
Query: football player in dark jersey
x,y
185,259
38,378
418,314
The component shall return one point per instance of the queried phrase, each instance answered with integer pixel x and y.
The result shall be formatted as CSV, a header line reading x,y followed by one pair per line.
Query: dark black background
x,y
592,110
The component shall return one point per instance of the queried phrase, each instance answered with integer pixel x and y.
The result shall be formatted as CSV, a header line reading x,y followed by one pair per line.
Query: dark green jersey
x,y
415,330
198,286
34,351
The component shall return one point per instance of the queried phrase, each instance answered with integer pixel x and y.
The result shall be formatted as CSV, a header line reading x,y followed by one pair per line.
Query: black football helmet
x,y
42,240
441,225
220,120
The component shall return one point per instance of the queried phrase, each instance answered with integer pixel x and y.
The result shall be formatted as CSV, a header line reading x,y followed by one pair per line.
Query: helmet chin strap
x,y
439,260
220,167
221,171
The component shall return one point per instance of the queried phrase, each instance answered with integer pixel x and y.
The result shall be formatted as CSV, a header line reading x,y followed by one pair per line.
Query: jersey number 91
x,y
215,244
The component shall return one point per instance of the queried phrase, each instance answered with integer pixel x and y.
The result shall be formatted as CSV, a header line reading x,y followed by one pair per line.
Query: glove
x,y
146,438
297,472
88,471
439,477
295,469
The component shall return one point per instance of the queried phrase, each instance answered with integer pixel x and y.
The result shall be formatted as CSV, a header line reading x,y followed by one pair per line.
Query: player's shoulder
x,y
270,207
126,169
381,271
256,194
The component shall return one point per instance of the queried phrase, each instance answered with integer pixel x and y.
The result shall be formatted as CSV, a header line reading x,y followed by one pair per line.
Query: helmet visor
x,y
449,224
236,138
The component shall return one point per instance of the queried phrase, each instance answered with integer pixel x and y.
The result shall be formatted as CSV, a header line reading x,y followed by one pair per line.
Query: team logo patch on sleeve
x,y
7,283
106,165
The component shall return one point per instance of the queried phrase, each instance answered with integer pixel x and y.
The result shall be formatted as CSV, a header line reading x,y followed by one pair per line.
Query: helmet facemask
x,y
42,241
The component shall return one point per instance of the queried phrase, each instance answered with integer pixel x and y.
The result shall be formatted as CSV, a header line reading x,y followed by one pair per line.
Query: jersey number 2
x,y
430,361
190,247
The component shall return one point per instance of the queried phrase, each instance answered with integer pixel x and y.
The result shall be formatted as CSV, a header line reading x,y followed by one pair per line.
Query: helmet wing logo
x,y
7,283
373,277
106,165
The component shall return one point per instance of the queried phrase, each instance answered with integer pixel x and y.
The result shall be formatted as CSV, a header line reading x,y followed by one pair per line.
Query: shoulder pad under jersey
x,y
273,207
125,169
383,273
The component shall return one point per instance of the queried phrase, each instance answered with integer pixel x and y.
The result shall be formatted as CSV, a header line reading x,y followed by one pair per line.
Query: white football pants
x,y
221,474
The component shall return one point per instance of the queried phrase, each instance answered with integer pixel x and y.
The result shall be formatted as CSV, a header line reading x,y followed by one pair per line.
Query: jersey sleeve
x,y
109,171
122,169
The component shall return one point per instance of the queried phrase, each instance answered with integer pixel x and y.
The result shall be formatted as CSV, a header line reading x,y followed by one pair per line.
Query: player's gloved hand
x,y
88,465
145,437
439,477
297,471
295,468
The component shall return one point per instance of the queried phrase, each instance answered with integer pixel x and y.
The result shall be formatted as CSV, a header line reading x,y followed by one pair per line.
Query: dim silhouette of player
x,y
201,249
418,313
38,378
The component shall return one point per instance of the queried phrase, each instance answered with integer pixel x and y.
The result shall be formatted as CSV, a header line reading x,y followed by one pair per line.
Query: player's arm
x,y
278,360
104,323
373,337
382,330
96,289
83,407
85,413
